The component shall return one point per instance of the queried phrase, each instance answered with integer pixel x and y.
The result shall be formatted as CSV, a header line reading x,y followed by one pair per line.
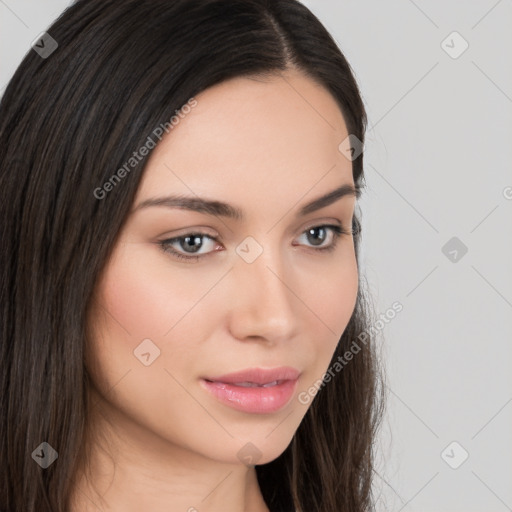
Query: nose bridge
x,y
266,305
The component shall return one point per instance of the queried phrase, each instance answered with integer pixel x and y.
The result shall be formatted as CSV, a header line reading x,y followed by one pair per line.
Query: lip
x,y
257,399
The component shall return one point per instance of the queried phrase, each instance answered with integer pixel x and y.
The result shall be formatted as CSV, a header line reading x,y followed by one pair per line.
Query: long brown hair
x,y
72,115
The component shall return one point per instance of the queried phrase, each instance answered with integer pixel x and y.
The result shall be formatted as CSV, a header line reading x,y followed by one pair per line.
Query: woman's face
x,y
257,292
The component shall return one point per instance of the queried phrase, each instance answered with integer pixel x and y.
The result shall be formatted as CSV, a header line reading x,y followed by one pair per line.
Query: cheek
x,y
331,297
330,293
136,312
138,300
144,298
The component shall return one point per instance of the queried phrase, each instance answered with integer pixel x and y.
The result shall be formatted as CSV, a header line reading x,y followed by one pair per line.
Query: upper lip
x,y
258,375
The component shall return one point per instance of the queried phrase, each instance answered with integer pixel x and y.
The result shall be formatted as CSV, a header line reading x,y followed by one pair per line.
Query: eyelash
x,y
165,245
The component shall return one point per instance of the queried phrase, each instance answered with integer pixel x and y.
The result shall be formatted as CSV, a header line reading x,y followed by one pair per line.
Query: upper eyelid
x,y
308,225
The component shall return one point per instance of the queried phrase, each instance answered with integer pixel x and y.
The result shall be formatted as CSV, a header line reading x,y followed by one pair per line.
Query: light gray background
x,y
438,155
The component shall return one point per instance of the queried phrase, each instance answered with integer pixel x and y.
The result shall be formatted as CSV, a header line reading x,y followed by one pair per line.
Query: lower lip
x,y
252,399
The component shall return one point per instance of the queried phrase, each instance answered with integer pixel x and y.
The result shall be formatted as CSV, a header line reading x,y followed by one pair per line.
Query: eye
x,y
187,247
317,235
190,243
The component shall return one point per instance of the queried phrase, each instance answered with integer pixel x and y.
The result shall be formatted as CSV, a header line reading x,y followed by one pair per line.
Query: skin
x,y
268,146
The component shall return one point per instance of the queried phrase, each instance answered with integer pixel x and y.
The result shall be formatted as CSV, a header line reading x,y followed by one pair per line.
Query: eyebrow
x,y
219,208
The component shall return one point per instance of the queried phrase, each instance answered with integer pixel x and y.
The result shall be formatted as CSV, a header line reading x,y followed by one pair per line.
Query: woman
x,y
184,326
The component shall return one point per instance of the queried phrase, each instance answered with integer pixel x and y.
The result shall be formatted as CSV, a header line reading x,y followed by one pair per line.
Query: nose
x,y
264,304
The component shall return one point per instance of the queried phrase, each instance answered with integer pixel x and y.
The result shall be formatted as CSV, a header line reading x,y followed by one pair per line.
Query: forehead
x,y
249,137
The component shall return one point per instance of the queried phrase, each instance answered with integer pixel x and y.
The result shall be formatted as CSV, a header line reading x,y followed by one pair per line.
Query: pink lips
x,y
254,390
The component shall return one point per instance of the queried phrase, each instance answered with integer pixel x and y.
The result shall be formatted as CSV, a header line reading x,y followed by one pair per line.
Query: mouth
x,y
256,390
255,385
